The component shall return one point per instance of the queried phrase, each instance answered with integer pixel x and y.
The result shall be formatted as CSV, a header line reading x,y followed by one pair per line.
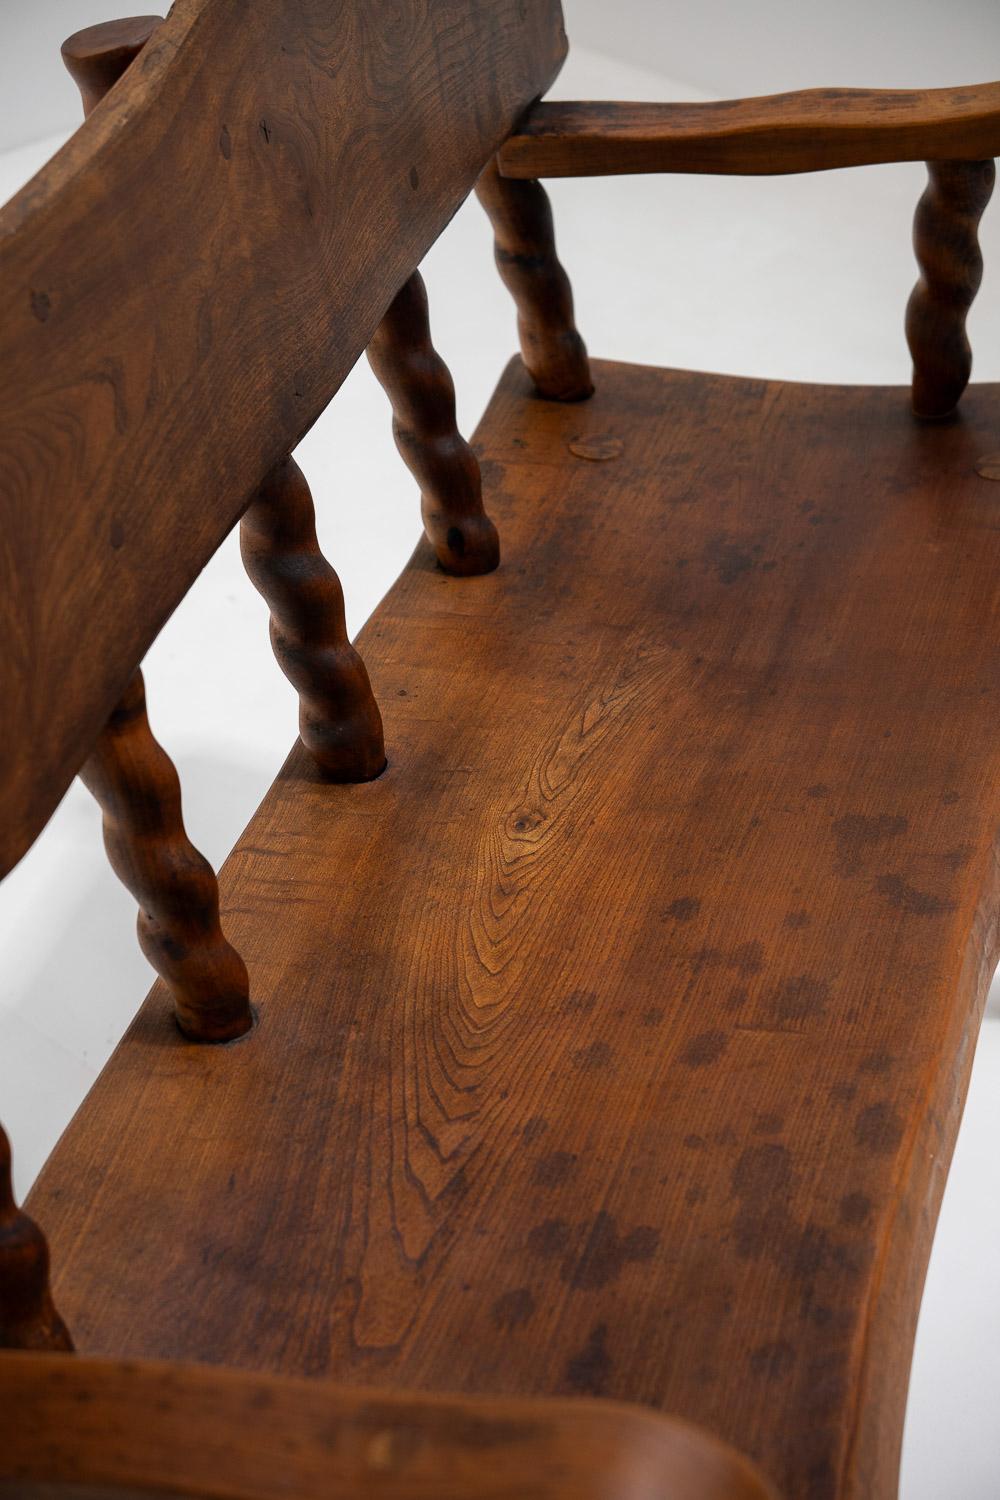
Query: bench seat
x,y
614,1041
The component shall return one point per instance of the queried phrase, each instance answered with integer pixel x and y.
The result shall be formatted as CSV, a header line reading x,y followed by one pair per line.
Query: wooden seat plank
x,y
613,1042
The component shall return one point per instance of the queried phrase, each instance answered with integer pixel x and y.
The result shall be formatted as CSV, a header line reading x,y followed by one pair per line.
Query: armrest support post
x,y
28,1319
553,351
339,720
136,785
422,393
946,243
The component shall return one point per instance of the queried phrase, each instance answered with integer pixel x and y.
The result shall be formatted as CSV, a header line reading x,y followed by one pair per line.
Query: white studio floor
x,y
795,278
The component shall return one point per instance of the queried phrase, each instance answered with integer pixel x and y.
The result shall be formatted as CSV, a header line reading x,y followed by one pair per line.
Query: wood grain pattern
x,y
524,241
98,56
28,1318
419,386
617,1036
812,131
339,721
946,244
135,782
234,220
223,1434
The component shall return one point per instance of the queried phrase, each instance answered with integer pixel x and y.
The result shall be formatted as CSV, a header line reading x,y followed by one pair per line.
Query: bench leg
x,y
946,243
28,1319
136,785
554,354
339,720
420,389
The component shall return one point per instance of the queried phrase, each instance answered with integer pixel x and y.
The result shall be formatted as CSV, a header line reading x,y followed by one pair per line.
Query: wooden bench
x,y
597,984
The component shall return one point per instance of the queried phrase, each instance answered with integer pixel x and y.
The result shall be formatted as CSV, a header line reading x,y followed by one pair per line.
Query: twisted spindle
x,y
130,775
28,1319
554,354
339,720
420,389
136,785
946,243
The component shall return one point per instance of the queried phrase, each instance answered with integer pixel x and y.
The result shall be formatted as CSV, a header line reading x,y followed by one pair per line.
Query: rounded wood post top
x,y
98,56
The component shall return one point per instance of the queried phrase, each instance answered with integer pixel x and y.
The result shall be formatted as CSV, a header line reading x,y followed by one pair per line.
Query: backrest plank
x,y
183,289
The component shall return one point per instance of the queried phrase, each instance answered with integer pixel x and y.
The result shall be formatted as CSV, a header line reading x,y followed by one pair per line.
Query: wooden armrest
x,y
804,132
208,1432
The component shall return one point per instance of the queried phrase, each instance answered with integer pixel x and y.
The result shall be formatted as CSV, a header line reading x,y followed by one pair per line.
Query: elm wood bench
x,y
613,1040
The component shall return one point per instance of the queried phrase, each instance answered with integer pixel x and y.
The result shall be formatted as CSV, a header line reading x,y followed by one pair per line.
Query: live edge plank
x,y
614,1041
811,131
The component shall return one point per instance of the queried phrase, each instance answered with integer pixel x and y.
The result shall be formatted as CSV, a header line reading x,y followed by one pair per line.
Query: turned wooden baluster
x,y
419,386
136,785
130,774
28,1319
946,243
553,351
339,720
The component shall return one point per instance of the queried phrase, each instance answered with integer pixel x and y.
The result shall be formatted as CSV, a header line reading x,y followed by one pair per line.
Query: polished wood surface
x,y
420,388
98,56
811,131
613,1043
28,1318
946,243
339,720
232,1436
182,290
135,783
525,250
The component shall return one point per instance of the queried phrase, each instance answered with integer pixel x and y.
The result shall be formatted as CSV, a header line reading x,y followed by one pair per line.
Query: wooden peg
x,y
136,785
554,354
98,56
420,388
28,1318
946,242
339,720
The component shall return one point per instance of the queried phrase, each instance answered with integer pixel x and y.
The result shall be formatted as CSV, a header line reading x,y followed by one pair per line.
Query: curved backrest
x,y
183,289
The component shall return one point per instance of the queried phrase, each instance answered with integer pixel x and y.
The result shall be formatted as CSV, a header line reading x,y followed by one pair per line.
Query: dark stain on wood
x,y
594,1058
857,834
549,1238
551,1171
879,1128
909,899
799,998
855,1209
703,1050
604,1253
588,1371
773,1360
513,1309
684,909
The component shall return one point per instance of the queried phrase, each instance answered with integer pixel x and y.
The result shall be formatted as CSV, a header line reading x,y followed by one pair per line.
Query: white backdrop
x,y
719,46
795,278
